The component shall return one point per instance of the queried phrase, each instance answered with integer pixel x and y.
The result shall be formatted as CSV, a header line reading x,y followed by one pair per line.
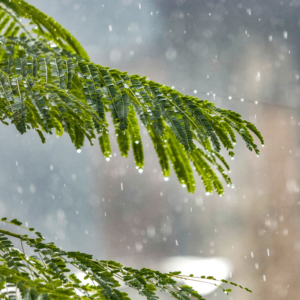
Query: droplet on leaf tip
x,y
166,179
78,150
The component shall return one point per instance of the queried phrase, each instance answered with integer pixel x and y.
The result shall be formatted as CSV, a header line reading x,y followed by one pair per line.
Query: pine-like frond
x,y
45,87
47,83
47,275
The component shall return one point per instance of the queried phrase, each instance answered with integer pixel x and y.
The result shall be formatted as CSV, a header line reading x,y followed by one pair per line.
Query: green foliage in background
x,y
48,84
49,274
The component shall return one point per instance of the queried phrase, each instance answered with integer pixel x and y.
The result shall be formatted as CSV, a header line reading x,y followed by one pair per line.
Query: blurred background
x,y
243,56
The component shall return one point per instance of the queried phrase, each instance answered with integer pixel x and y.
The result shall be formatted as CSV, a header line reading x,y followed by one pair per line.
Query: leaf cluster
x,y
49,274
48,84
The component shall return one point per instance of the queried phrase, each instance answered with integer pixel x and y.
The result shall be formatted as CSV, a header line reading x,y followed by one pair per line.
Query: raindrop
x,y
171,54
141,171
166,179
137,142
176,242
110,28
257,77
138,247
242,100
285,34
229,97
107,158
195,91
78,150
232,158
256,102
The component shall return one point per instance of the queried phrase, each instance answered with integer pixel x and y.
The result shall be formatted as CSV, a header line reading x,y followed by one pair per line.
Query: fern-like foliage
x,y
49,273
47,83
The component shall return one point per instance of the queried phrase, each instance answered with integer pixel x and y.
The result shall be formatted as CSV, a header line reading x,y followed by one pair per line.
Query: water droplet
x,y
141,171
229,97
195,92
137,142
232,158
242,99
263,145
107,158
166,179
78,150
256,102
